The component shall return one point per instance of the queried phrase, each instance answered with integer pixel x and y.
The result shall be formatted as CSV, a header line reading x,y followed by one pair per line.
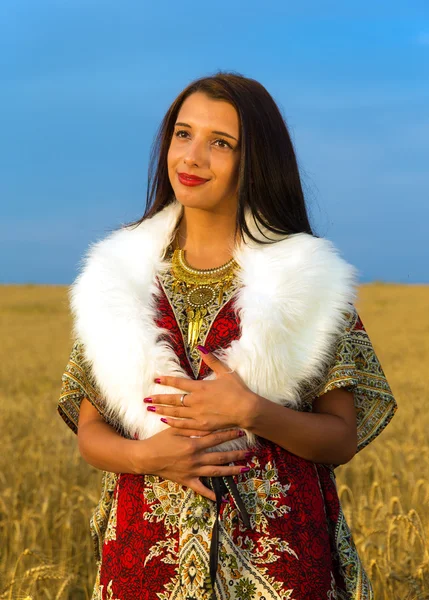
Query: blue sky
x,y
85,84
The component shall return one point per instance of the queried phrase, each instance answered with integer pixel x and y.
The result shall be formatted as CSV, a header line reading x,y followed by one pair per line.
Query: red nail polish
x,y
147,400
224,501
241,433
248,455
203,349
245,469
157,380
163,420
152,408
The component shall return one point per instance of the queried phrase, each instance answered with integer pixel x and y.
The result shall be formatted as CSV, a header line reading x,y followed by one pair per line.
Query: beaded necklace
x,y
199,287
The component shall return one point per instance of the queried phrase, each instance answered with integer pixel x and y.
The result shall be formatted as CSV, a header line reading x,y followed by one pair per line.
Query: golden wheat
x,y
47,492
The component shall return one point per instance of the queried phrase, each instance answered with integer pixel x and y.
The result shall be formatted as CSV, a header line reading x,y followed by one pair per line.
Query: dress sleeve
x,y
356,366
77,384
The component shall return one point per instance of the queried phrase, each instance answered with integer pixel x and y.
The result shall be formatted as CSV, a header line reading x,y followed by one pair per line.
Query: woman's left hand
x,y
209,405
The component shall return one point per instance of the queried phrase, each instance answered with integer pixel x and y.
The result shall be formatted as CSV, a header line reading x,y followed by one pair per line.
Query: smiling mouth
x,y
190,180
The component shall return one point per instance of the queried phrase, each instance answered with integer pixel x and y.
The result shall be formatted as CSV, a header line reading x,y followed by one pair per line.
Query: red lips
x,y
191,180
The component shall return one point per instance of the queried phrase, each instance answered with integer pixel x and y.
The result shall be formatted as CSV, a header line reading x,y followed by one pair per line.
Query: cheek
x,y
170,157
221,165
174,153
230,173
171,166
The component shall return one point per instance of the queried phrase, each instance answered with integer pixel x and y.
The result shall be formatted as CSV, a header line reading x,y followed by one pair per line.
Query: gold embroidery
x,y
176,295
110,534
200,288
355,365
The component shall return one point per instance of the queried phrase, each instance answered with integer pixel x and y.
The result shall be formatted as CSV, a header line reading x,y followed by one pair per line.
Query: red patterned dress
x,y
152,536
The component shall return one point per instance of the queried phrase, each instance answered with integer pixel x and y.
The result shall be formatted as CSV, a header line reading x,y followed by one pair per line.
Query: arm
x,y
102,447
327,435
170,454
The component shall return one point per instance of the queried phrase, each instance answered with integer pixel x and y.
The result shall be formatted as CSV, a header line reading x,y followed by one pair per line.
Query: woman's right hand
x,y
172,454
177,456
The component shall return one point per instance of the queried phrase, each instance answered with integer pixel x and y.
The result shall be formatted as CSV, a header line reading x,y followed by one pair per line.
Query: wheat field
x,y
47,492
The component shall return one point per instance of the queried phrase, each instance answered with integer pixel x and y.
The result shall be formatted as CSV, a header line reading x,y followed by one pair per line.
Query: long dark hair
x,y
269,181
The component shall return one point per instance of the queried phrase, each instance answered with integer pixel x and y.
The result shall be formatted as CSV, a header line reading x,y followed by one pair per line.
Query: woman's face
x,y
205,143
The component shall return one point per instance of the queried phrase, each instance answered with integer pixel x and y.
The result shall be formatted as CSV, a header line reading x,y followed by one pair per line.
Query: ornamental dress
x,y
152,536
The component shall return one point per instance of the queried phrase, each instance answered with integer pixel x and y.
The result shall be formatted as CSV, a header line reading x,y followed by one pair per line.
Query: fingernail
x,y
241,433
245,469
203,349
147,400
224,501
157,380
248,455
152,408
163,420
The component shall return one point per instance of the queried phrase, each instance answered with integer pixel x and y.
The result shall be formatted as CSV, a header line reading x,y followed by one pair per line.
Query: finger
x,y
222,471
218,437
166,400
178,412
198,487
215,364
197,433
181,423
224,458
181,383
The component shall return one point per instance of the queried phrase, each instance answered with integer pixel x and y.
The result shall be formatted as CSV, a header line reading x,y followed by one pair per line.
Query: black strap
x,y
221,487
232,487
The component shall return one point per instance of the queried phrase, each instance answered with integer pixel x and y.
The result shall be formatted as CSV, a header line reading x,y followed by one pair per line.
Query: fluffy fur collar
x,y
294,295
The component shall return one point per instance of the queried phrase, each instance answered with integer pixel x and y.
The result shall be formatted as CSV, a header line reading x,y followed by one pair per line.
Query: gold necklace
x,y
199,288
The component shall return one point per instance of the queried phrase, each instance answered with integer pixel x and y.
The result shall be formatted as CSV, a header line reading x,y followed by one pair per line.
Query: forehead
x,y
198,110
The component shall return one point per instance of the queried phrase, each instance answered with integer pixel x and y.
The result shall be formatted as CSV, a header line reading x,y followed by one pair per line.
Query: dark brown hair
x,y
269,181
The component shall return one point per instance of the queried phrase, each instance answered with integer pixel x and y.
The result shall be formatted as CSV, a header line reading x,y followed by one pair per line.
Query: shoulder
x,y
301,265
298,250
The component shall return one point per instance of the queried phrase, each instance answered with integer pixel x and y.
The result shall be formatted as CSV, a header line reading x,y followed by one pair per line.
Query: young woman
x,y
221,372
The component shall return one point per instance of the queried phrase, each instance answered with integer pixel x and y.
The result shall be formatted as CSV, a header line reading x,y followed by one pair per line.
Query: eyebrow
x,y
217,132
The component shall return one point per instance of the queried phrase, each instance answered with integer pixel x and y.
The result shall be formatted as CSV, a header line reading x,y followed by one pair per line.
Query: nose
x,y
196,153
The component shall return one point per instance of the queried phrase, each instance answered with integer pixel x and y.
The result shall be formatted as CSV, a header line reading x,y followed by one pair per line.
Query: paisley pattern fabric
x,y
356,366
152,536
161,544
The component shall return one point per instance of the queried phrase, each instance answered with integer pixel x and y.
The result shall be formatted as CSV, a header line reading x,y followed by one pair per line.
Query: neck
x,y
206,237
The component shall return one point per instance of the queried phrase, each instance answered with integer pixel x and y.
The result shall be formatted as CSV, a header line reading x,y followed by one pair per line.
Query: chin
x,y
191,198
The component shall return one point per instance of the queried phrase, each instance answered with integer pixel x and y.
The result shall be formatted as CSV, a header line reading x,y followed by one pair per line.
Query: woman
x,y
220,371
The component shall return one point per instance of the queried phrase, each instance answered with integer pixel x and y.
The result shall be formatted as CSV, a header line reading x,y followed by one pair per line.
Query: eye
x,y
226,145
222,143
179,132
